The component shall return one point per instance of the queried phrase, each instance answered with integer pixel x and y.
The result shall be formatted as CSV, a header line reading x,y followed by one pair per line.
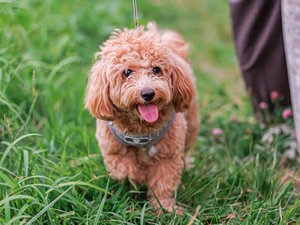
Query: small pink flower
x,y
275,96
287,113
263,105
234,119
217,132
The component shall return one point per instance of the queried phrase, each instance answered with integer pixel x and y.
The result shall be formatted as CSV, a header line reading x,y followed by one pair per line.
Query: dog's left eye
x,y
127,72
156,70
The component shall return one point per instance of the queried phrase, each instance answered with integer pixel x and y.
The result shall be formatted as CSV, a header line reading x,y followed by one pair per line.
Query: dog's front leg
x,y
124,163
163,177
121,161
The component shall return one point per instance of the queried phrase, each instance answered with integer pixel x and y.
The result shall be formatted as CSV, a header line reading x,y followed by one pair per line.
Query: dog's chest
x,y
146,155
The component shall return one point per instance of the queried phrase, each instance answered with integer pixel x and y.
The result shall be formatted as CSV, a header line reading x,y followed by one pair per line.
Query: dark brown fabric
x,y
258,38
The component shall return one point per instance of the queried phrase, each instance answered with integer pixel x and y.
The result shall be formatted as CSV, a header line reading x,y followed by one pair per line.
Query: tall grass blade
x,y
49,205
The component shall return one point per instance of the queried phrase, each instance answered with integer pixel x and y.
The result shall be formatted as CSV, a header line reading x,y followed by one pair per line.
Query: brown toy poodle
x,y
142,93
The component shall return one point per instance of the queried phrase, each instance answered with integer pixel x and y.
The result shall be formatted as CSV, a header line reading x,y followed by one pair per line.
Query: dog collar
x,y
140,141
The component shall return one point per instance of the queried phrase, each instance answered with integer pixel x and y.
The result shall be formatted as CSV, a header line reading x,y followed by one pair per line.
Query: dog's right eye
x,y
127,72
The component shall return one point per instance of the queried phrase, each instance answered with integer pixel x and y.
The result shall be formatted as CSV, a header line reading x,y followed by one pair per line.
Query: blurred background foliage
x,y
46,50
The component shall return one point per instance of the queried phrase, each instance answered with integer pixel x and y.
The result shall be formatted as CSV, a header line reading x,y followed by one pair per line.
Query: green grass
x,y
51,171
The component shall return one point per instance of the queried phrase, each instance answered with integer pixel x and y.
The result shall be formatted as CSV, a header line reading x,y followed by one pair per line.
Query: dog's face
x,y
138,75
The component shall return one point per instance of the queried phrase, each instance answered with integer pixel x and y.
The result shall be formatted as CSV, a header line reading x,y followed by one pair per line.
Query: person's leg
x,y
257,31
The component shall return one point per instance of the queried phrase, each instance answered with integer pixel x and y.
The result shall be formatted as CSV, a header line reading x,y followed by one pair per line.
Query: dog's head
x,y
139,73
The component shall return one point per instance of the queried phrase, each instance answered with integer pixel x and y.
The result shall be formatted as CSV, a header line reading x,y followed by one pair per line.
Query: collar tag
x,y
137,140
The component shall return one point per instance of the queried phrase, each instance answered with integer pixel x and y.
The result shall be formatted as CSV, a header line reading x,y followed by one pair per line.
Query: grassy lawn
x,y
51,170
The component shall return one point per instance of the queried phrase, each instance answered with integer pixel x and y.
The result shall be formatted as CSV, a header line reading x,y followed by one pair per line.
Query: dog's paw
x,y
120,174
137,176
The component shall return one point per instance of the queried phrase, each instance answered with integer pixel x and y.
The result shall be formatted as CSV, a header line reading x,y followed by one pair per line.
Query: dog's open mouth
x,y
148,112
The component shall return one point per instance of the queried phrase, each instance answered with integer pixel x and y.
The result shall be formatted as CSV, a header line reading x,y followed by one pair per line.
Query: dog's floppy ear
x,y
97,99
183,84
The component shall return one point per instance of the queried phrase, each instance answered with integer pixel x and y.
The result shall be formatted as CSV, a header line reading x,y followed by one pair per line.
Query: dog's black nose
x,y
147,94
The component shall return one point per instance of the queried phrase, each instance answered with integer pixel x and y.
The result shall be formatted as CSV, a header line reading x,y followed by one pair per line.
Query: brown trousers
x,y
258,37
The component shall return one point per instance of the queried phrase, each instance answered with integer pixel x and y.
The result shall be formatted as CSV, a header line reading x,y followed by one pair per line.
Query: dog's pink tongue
x,y
148,112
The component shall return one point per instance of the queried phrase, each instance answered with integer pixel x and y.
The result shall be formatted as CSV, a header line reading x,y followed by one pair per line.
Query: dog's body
x,y
143,77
